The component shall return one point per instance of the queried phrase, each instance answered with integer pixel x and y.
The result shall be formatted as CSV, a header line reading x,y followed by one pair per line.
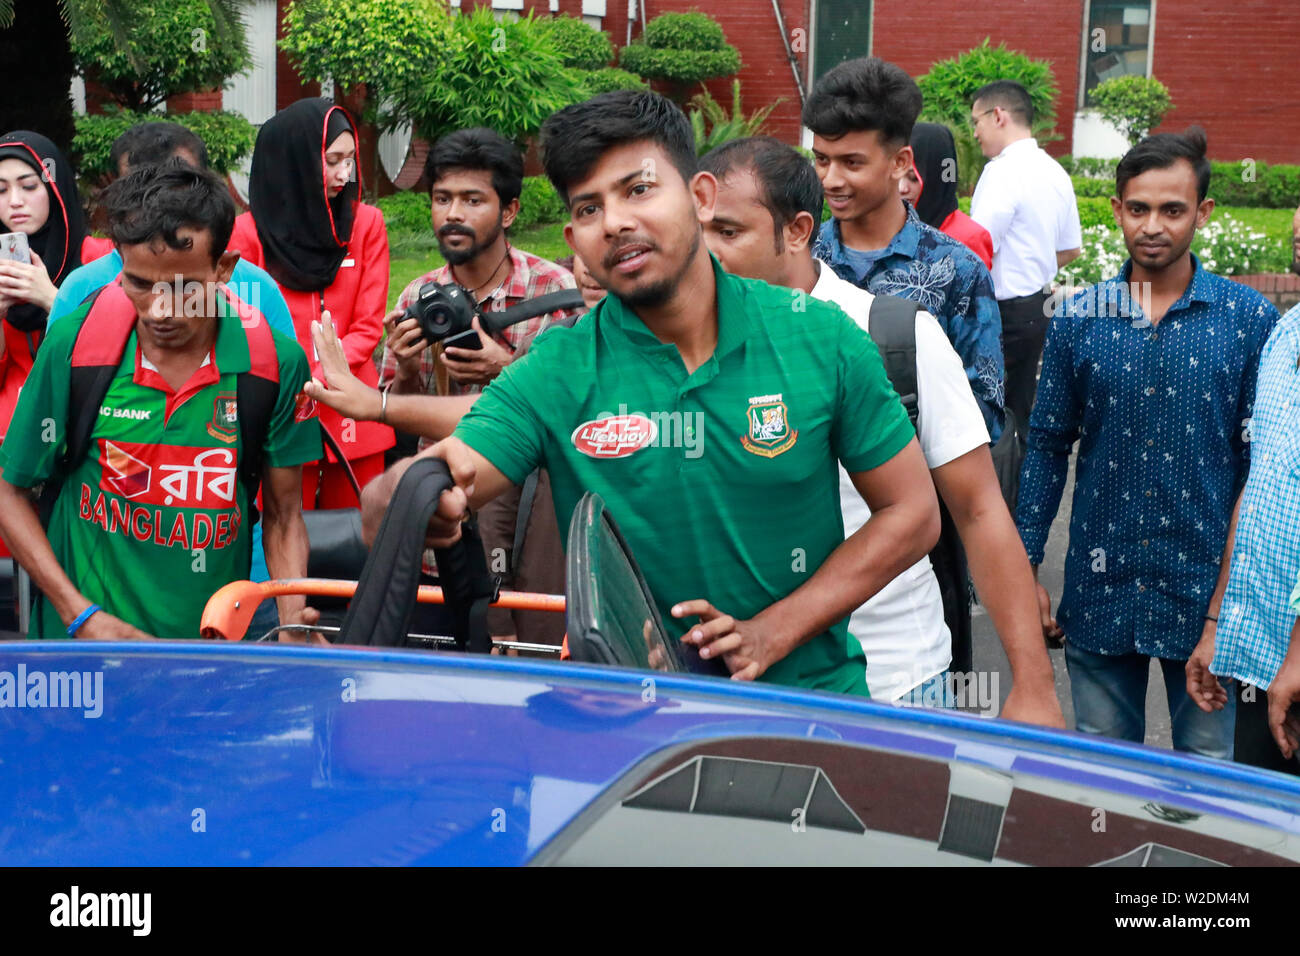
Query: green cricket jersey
x,y
724,480
151,522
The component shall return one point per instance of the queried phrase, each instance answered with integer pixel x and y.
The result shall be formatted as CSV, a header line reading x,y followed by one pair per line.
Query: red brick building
x,y
1232,72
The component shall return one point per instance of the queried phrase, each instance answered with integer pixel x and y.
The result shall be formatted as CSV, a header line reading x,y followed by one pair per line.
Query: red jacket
x,y
356,300
971,234
20,351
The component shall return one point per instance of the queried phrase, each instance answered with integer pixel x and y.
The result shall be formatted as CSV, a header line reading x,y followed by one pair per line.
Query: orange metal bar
x,y
230,610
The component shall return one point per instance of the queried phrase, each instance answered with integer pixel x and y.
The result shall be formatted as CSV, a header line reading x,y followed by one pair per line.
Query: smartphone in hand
x,y
13,245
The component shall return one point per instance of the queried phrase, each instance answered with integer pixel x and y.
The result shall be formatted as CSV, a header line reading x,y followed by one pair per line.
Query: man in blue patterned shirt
x,y
1250,621
1154,373
861,114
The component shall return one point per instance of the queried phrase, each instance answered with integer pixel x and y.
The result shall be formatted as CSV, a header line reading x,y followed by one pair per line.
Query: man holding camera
x,y
475,177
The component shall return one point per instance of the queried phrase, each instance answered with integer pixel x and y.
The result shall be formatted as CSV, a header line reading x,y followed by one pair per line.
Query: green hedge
x,y
1095,211
407,213
228,136
539,203
1086,186
1240,183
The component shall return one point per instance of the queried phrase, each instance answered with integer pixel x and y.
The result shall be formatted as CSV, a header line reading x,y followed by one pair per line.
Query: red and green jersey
x,y
154,519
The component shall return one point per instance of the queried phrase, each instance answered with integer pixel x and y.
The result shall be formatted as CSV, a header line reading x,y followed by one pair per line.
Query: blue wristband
x,y
81,619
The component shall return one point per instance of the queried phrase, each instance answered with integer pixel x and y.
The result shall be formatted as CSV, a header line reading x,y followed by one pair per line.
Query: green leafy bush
x,y
683,49
539,203
611,78
1089,167
950,84
378,43
406,213
713,125
180,46
1095,211
1093,188
228,136
1132,104
581,47
506,75
1250,183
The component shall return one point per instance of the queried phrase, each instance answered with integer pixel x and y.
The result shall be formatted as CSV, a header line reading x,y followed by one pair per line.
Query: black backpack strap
x,y
892,326
255,399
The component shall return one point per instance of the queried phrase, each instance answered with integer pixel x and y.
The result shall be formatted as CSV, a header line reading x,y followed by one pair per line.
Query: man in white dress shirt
x,y
765,218
1025,200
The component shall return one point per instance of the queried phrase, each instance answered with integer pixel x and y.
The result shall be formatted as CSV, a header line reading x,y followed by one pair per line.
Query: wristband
x,y
1214,619
383,407
81,619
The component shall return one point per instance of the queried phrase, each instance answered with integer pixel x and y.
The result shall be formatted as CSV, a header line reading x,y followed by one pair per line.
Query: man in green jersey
x,y
154,517
708,411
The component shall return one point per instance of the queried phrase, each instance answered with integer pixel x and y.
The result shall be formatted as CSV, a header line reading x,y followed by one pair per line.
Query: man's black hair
x,y
1010,96
787,182
576,137
479,149
1163,150
864,94
146,143
153,202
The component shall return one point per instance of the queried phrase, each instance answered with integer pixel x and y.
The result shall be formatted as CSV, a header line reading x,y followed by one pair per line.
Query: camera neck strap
x,y
494,321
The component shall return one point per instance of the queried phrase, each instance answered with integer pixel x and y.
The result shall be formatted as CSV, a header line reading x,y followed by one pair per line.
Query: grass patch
x,y
411,256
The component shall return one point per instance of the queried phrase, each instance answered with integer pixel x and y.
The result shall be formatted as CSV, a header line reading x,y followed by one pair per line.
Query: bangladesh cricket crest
x,y
225,419
769,427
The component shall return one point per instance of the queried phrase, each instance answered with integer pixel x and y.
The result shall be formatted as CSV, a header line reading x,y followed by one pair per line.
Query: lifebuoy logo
x,y
615,436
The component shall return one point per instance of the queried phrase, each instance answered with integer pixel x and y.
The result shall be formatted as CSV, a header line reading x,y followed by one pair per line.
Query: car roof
x,y
207,753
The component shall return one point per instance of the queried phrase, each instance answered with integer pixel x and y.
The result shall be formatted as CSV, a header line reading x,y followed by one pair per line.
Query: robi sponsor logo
x,y
177,476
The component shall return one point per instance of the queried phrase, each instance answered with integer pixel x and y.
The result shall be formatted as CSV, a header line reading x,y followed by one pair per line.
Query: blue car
x,y
220,753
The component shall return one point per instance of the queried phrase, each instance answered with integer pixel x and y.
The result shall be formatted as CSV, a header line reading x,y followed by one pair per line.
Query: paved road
x,y
988,650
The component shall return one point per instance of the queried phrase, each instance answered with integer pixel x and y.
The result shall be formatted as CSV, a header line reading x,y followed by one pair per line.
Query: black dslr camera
x,y
446,313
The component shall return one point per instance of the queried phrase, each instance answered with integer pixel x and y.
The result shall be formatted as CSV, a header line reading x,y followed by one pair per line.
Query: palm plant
x,y
713,125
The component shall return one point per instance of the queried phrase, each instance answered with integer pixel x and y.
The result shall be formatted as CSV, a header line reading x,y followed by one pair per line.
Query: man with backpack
x,y
764,220
151,417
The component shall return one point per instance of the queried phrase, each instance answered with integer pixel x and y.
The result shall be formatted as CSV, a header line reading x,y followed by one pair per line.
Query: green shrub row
x,y
407,213
228,136
1241,183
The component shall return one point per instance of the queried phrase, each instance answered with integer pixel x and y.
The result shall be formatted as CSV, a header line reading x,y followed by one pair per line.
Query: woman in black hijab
x,y
931,187
38,197
328,252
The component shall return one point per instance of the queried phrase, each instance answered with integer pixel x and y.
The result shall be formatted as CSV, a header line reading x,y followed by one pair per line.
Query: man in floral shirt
x,y
861,114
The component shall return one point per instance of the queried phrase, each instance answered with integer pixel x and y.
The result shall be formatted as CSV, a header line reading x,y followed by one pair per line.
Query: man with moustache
x,y
1153,372
475,178
742,546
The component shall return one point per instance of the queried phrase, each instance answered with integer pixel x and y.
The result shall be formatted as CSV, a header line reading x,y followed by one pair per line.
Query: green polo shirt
x,y
723,480
151,523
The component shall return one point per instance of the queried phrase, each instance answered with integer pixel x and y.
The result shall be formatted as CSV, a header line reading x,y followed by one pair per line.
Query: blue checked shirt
x,y
949,281
1255,619
1160,414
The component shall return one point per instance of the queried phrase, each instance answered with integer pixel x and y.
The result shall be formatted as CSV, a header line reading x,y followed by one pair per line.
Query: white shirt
x,y
901,628
1025,199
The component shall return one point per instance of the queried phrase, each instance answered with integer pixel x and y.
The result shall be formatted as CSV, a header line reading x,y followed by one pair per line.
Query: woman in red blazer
x,y
328,252
931,187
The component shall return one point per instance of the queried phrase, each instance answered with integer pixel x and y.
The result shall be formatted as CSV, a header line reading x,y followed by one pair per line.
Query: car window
x,y
611,615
